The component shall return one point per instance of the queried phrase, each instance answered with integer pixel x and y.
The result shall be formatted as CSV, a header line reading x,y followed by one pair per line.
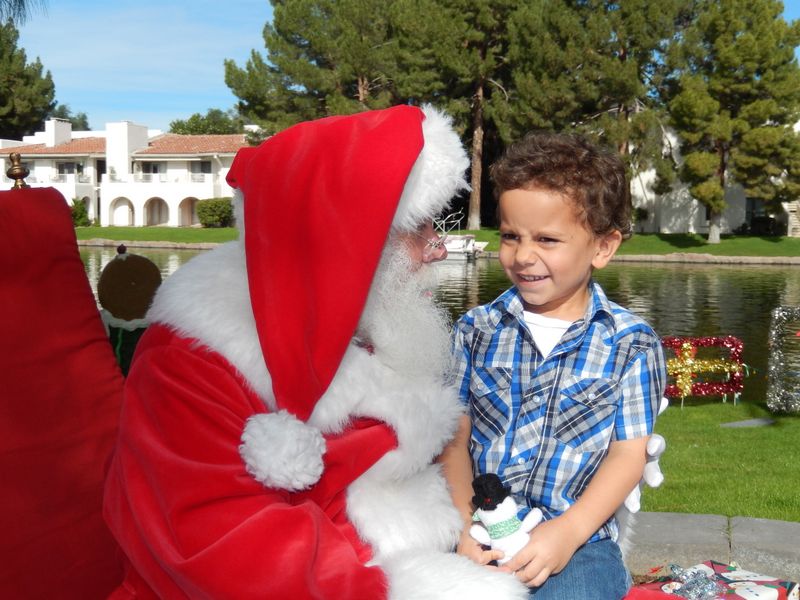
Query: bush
x,y
215,212
80,213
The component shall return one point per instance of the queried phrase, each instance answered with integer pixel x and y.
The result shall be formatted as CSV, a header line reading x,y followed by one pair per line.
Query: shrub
x,y
80,213
215,212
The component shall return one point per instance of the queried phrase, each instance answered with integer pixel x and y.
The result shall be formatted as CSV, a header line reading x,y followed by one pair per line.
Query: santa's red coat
x,y
190,517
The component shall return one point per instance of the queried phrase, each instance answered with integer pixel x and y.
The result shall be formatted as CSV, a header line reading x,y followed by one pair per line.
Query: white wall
x,y
122,139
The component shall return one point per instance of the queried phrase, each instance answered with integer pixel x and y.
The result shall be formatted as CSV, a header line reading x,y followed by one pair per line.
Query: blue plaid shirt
x,y
544,424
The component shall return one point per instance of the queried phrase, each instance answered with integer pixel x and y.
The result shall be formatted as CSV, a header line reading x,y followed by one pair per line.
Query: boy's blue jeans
x,y
595,572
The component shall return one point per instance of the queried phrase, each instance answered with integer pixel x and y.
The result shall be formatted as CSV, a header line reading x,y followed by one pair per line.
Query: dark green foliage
x,y
215,121
720,71
80,121
215,212
26,95
80,213
737,98
18,10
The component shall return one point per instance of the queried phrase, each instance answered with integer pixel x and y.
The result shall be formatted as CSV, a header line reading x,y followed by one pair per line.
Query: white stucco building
x,y
127,174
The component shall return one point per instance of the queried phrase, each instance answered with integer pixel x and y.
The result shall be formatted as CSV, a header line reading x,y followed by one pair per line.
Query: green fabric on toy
x,y
497,524
125,290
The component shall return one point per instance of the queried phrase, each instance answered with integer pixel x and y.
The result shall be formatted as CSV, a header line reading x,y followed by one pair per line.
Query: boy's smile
x,y
548,253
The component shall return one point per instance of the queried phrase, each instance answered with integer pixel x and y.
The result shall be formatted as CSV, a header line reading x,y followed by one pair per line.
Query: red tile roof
x,y
81,146
172,143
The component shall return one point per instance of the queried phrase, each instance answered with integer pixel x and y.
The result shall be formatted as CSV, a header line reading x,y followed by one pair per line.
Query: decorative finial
x,y
17,172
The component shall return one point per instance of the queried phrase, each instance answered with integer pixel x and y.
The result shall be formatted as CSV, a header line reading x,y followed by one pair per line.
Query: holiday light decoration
x,y
783,372
686,367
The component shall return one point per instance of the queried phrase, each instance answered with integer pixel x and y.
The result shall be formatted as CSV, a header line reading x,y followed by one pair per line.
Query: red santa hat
x,y
320,200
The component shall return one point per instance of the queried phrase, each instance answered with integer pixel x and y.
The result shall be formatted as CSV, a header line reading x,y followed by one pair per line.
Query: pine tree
x,y
215,121
737,100
80,121
18,10
324,57
596,67
26,95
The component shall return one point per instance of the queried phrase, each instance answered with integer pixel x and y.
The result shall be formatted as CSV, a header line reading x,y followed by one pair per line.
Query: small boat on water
x,y
463,247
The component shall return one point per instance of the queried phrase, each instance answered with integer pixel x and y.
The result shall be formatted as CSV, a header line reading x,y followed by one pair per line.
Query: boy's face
x,y
548,253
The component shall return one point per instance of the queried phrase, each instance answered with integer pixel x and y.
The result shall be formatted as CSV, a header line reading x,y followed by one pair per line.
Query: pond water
x,y
676,299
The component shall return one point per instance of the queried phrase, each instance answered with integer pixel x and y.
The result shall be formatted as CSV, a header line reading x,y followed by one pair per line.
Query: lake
x,y
676,299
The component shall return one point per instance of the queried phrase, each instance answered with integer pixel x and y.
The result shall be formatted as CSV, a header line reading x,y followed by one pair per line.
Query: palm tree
x,y
18,10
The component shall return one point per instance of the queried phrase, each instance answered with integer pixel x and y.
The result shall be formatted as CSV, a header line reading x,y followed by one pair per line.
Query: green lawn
x,y
184,235
748,471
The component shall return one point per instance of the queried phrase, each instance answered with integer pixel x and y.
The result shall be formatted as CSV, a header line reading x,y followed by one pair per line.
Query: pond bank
x,y
695,257
675,257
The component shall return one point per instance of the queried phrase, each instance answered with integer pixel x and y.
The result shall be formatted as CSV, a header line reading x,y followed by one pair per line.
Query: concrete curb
x,y
760,545
694,257
95,242
691,257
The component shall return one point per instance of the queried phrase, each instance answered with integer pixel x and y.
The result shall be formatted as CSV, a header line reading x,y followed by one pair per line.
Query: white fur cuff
x,y
421,575
281,451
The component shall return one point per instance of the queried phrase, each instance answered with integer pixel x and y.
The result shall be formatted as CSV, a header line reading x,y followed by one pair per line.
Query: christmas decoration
x,y
711,580
685,367
783,371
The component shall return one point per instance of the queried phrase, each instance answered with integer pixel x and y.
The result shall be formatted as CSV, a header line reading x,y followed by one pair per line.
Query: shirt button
x,y
520,461
537,398
592,396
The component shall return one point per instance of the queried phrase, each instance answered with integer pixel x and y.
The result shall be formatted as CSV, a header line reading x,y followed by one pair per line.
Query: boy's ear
x,y
607,246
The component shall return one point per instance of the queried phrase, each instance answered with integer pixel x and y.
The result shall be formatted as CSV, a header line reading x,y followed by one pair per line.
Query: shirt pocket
x,y
490,405
586,409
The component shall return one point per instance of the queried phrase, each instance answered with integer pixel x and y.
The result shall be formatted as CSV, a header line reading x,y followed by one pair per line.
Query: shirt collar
x,y
509,303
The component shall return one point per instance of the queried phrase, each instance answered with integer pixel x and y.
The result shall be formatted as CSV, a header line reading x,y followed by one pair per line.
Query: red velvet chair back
x,y
60,395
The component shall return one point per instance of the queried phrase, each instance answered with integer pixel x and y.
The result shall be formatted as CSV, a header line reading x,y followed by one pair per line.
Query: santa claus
x,y
284,410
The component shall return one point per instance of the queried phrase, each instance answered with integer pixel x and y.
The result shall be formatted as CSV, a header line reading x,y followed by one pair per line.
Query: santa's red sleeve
x,y
190,519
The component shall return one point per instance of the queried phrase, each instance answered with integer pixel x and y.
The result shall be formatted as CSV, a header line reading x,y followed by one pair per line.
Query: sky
x,y
151,61
146,61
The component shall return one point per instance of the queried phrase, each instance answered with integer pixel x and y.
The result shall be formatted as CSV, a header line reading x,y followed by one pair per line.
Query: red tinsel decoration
x,y
685,367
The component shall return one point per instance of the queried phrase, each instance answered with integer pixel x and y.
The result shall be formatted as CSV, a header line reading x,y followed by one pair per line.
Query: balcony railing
x,y
69,178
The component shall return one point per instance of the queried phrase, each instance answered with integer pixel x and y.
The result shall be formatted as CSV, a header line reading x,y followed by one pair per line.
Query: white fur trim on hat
x,y
437,175
281,451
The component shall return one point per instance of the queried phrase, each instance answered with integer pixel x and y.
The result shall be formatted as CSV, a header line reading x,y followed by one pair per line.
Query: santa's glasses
x,y
432,245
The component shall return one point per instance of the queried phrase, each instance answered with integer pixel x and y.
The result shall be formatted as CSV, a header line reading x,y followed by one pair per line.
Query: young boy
x,y
562,386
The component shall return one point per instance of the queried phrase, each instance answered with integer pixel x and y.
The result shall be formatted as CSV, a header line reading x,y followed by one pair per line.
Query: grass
x,y
744,471
185,235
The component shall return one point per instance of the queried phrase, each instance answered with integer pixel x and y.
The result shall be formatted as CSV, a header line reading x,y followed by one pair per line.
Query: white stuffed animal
x,y
497,524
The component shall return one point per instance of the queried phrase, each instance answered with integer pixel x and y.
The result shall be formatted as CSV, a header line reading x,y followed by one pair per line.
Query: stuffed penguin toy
x,y
496,522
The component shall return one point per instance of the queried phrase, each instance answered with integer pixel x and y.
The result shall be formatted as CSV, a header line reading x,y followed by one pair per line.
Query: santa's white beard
x,y
408,331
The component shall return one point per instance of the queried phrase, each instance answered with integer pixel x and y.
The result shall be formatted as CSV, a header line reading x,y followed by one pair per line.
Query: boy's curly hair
x,y
592,177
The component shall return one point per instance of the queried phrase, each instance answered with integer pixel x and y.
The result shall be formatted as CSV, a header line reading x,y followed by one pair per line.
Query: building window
x,y
66,168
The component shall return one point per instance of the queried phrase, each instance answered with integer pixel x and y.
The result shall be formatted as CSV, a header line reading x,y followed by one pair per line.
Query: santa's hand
x,y
281,451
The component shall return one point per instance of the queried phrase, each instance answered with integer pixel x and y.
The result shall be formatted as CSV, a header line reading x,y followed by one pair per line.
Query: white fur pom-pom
x,y
281,451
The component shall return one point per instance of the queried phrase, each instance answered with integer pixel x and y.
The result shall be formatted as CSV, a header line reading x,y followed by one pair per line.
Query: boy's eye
x,y
547,240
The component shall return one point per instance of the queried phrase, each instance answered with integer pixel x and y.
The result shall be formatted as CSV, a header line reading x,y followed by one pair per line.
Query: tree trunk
x,y
474,215
714,227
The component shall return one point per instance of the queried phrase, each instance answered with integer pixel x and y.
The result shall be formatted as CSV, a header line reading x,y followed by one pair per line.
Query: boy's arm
x,y
457,467
554,542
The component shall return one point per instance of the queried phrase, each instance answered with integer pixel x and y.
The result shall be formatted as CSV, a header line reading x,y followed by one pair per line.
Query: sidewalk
x,y
760,545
